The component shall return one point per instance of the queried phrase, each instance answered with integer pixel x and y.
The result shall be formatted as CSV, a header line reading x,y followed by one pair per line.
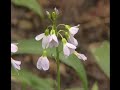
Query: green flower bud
x,y
47,32
52,31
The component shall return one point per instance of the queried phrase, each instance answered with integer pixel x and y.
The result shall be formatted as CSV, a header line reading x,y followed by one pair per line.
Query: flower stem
x,y
58,68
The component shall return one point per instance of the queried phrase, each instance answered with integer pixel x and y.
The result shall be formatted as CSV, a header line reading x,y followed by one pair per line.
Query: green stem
x,y
57,57
58,68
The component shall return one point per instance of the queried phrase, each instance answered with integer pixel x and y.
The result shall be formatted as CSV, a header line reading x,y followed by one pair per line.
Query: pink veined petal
x,y
71,46
14,48
16,64
73,30
82,56
39,37
45,63
39,63
55,38
66,50
45,42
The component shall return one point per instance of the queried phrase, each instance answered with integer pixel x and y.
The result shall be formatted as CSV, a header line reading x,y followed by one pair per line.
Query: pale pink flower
x,y
68,48
53,41
72,40
73,30
43,63
14,48
45,39
80,56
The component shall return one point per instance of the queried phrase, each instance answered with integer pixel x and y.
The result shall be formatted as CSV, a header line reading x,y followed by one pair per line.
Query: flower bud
x,y
47,32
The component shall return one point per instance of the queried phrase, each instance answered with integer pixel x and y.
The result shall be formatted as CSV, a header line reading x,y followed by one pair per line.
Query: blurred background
x,y
28,19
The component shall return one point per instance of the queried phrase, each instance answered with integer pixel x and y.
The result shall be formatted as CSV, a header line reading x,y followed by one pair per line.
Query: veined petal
x,y
73,30
55,38
82,56
45,63
15,64
39,63
39,37
14,48
45,42
66,50
72,40
71,45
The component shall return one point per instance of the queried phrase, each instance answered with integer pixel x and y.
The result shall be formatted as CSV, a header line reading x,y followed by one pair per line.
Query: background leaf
x,y
102,55
31,4
95,86
34,47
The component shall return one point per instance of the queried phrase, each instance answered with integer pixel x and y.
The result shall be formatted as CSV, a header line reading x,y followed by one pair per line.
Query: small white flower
x,y
68,48
43,63
80,56
15,64
73,30
53,41
45,39
14,48
72,40
56,10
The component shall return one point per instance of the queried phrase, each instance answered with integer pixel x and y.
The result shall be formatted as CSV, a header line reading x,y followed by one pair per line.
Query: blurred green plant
x,y
30,4
95,86
27,78
102,55
33,47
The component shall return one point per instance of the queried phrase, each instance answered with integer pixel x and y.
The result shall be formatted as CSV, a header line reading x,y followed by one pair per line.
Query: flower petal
x,y
71,45
39,63
45,63
45,42
66,50
73,30
15,64
81,56
72,40
55,38
39,37
14,48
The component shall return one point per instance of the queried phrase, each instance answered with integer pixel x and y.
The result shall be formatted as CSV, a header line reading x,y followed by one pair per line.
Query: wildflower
x,y
72,40
80,56
67,47
53,41
72,30
45,38
15,64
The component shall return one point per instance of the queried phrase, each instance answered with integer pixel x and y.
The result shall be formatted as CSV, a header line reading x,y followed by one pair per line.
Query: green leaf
x,y
95,86
34,47
102,55
30,4
27,78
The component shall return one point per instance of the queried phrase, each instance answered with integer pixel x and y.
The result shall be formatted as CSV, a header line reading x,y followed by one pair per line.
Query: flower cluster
x,y
15,63
50,39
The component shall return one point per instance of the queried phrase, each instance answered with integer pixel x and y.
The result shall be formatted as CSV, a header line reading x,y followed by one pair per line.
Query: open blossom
x,y
15,64
68,48
43,63
80,56
73,30
45,39
72,40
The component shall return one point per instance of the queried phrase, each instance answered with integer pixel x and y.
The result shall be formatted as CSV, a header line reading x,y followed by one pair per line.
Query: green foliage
x,y
34,47
102,55
27,78
95,86
30,4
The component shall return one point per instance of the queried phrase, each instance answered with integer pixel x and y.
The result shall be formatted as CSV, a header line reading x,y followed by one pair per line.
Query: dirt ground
x,y
92,15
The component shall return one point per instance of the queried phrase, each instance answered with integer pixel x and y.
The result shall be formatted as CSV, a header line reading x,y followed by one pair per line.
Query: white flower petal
x,y
71,45
14,48
15,64
45,42
55,38
81,56
66,50
73,30
72,40
39,37
39,63
45,63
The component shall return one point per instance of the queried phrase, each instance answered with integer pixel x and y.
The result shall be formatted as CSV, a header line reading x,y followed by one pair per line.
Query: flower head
x,y
53,41
68,48
45,38
15,64
72,40
80,56
43,63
